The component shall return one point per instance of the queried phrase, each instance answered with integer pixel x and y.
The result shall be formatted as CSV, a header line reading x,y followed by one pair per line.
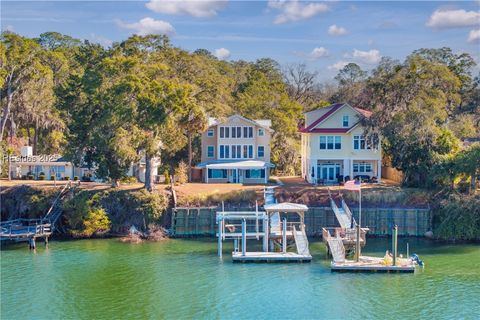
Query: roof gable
x,y
264,123
330,112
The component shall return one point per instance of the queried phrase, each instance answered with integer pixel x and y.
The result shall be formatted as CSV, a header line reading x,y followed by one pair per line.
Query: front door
x,y
233,178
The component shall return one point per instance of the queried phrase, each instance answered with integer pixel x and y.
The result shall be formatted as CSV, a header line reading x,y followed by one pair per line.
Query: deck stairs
x,y
337,250
342,213
269,195
275,223
301,241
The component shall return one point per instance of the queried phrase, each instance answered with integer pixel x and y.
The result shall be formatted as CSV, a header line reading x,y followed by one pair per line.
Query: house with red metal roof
x,y
334,147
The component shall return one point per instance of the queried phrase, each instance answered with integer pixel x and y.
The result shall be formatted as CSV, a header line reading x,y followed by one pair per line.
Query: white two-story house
x,y
236,150
334,147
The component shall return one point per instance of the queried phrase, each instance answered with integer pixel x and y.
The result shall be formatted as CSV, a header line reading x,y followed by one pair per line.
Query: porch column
x,y
265,170
351,169
313,175
379,170
206,174
346,168
238,178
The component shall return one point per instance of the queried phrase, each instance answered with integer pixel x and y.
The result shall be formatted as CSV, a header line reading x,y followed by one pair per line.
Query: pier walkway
x,y
344,238
31,229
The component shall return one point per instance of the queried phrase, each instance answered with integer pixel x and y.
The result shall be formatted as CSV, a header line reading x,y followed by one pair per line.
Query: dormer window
x,y
345,121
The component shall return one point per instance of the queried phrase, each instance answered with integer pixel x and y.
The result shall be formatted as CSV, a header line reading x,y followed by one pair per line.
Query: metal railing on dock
x,y
21,229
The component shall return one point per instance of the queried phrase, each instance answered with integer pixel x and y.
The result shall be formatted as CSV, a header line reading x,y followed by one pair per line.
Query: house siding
x,y
255,141
313,158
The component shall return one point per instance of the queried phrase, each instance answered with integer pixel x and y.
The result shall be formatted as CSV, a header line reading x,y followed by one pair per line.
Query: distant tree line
x,y
105,106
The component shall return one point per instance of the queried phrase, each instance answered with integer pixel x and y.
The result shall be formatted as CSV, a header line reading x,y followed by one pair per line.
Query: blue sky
x,y
324,35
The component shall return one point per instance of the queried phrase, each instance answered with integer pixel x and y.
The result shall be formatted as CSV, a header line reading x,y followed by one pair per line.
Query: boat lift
x,y
268,227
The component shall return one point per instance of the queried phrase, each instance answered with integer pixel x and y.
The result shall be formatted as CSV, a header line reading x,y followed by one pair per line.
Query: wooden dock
x,y
270,257
373,264
31,229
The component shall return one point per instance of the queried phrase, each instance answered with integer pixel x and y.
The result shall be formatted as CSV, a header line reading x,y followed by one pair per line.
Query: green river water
x,y
182,279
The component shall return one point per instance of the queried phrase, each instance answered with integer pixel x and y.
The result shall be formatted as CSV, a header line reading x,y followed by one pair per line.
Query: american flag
x,y
353,185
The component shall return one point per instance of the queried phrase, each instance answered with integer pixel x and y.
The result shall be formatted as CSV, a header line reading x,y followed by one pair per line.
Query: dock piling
x,y
219,238
31,243
284,236
394,244
265,234
244,237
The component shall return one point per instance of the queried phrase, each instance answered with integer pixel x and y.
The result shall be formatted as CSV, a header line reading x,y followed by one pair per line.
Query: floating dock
x,y
373,264
270,257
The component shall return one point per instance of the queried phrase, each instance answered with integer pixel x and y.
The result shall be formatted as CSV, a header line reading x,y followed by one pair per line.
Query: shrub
x,y
181,173
96,221
30,177
167,176
457,217
128,180
52,177
41,177
75,178
237,197
152,205
66,178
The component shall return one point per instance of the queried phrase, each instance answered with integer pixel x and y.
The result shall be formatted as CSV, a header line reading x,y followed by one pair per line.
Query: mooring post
x,y
284,240
394,244
32,243
244,237
219,237
46,241
265,234
408,251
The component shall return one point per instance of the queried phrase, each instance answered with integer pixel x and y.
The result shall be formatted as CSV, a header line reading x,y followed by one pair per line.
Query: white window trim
x,y
261,130
215,178
364,164
230,146
258,155
213,153
359,144
212,131
348,121
326,143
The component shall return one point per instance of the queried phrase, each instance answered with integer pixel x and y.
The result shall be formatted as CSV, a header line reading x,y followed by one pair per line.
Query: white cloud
x,y
195,8
105,42
369,57
334,30
222,53
149,26
338,65
294,10
453,18
318,53
474,36
9,28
